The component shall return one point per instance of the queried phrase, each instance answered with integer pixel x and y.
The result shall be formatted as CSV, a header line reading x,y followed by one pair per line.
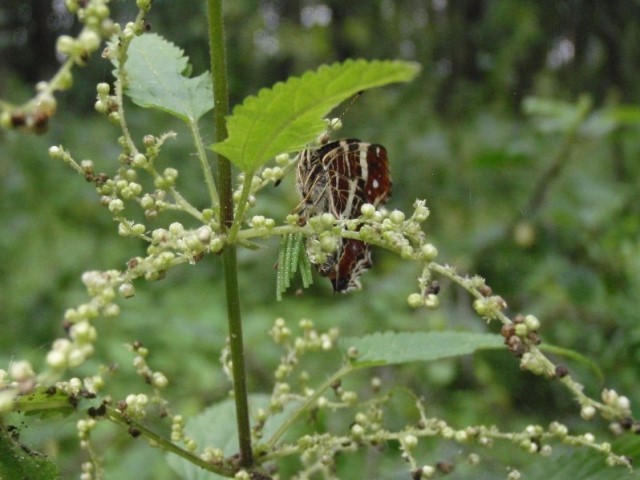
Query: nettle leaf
x,y
586,464
290,115
157,72
48,402
391,348
19,461
216,427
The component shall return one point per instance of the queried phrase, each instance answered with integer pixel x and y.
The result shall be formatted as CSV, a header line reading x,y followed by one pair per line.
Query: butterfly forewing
x,y
311,180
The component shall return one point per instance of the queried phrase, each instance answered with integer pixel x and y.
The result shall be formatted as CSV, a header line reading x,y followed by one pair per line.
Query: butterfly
x,y
338,178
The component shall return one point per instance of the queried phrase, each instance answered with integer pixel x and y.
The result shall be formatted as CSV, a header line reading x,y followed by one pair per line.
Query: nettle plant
x,y
340,216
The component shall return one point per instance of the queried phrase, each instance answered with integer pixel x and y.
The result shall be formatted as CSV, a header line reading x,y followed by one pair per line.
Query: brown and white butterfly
x,y
338,178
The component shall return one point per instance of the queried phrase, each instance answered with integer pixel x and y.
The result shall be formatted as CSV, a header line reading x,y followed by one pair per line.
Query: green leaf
x,y
576,356
18,461
556,115
46,402
216,427
586,464
289,116
155,78
625,114
391,348
499,158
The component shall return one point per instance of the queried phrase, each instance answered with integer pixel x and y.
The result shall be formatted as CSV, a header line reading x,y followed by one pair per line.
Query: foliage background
x,y
457,136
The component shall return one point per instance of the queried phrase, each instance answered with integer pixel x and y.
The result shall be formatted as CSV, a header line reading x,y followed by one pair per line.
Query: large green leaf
x,y
216,427
390,348
156,70
288,116
18,461
586,464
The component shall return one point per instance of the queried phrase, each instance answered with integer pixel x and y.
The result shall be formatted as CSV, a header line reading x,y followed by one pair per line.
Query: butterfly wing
x,y
354,259
339,178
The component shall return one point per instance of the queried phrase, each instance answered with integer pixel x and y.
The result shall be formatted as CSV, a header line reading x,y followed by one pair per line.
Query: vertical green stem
x,y
221,109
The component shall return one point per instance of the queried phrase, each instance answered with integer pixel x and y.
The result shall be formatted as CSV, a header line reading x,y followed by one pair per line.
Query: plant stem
x,y
229,260
242,206
306,405
118,417
204,164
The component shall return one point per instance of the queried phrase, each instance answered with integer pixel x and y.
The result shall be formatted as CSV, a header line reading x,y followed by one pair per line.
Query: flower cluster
x,y
34,115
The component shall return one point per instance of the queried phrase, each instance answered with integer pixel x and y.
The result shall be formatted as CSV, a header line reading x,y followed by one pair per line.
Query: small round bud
x,y
293,218
216,245
432,301
116,205
126,290
176,229
111,310
55,152
409,441
89,40
587,412
624,403
101,107
428,252
140,160
76,357
532,322
461,436
480,306
350,398
367,210
114,117
334,124
327,220
56,360
421,212
282,159
415,300
257,221
204,234
328,243
357,430
170,173
396,217
521,330
103,89
427,471
159,380
65,44
514,475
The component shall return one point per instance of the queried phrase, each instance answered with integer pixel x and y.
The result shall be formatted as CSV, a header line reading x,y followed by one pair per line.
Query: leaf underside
x,y
155,77
290,115
215,427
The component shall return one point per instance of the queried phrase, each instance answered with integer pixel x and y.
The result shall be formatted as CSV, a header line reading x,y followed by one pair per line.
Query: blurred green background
x,y
542,204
